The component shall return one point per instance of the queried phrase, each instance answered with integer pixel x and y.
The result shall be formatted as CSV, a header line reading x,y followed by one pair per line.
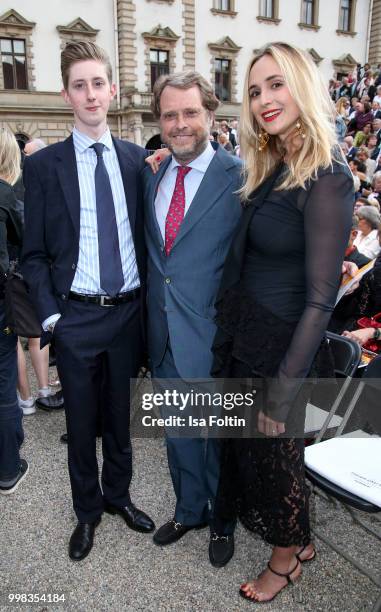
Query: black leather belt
x,y
106,300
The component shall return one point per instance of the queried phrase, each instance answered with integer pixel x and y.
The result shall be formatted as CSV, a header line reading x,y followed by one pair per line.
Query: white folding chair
x,y
347,468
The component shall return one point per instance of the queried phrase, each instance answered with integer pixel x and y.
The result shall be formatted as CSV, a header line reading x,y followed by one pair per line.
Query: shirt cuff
x,y
52,319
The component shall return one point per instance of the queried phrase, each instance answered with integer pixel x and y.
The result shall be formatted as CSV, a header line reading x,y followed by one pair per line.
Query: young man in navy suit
x,y
84,261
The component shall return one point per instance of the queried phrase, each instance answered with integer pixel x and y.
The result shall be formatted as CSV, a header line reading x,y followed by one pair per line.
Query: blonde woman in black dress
x,y
277,294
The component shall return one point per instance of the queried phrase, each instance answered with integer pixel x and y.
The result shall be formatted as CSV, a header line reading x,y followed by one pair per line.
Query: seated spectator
x,y
352,107
374,190
352,151
351,253
376,109
362,135
360,201
376,125
363,156
362,116
367,241
13,469
225,129
225,143
371,144
359,170
364,301
345,89
377,97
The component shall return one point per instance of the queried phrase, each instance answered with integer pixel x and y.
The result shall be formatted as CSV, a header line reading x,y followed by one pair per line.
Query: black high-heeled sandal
x,y
289,582
297,555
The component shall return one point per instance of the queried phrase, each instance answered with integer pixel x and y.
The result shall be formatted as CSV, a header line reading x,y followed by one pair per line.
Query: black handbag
x,y
20,314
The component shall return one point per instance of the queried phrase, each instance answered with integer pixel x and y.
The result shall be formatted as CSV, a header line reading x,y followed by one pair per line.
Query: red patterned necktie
x,y
176,209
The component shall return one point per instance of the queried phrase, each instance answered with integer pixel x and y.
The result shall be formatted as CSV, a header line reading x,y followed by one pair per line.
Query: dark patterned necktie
x,y
176,209
110,263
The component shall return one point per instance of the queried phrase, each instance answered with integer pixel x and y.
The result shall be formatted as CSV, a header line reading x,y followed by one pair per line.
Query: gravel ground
x,y
127,572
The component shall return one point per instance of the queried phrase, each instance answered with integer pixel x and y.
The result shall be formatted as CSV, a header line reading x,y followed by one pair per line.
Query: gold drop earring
x,y
300,129
263,139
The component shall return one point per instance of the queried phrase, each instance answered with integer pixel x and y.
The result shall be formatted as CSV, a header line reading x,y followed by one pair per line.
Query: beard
x,y
188,152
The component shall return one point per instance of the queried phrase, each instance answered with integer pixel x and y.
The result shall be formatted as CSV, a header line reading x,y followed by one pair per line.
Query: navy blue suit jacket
x,y
52,219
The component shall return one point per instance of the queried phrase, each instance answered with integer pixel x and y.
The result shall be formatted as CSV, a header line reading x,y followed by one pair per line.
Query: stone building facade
x,y
149,37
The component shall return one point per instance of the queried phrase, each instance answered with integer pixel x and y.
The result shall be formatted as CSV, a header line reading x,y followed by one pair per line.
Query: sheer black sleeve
x,y
327,210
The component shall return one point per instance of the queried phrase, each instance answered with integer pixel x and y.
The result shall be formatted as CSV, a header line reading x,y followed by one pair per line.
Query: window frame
x,y
13,54
274,19
351,21
218,10
158,63
222,73
314,25
13,25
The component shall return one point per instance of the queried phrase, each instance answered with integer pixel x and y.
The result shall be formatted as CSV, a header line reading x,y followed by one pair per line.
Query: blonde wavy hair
x,y
10,156
317,114
340,106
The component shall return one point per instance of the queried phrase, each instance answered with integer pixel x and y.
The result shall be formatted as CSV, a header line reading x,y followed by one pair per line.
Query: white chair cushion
x,y
352,463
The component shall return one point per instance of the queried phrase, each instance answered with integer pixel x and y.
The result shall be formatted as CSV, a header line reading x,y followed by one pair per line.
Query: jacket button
x,y
63,296
168,280
73,267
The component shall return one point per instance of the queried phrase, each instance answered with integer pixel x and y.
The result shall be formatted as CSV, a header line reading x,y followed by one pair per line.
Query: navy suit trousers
x,y
98,346
194,464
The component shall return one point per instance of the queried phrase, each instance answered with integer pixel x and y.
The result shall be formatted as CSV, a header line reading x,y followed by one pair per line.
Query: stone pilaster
x,y
374,56
126,15
189,36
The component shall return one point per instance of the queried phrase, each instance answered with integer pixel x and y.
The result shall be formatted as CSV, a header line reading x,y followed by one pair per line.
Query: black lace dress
x,y
271,317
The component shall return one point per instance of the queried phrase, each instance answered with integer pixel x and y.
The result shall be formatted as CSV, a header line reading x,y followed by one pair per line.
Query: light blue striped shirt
x,y
86,279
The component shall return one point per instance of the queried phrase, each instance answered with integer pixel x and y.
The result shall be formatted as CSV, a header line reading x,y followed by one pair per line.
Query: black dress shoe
x,y
221,549
63,438
51,402
172,531
81,541
135,519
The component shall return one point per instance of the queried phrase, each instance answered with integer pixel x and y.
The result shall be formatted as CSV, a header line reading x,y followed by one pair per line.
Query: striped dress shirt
x,y
86,279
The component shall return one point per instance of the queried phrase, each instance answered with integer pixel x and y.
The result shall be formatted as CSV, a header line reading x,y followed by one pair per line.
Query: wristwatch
x,y
377,333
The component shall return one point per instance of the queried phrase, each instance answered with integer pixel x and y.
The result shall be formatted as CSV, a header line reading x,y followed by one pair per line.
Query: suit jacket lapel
x,y
68,178
215,181
153,193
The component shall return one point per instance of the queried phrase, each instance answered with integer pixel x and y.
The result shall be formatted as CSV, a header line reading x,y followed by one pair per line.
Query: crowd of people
x,y
221,256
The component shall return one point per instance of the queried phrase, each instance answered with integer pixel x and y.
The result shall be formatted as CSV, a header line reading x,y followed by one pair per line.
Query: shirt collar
x,y
82,141
201,162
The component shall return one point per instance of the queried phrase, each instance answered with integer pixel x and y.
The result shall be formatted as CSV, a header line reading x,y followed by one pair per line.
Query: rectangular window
x,y
345,15
13,59
222,79
266,9
159,61
308,16
223,5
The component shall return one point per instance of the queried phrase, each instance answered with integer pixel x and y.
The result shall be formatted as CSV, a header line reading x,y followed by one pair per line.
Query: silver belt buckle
x,y
102,303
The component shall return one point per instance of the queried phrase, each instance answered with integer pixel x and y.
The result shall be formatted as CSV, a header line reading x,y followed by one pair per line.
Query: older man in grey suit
x,y
192,209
